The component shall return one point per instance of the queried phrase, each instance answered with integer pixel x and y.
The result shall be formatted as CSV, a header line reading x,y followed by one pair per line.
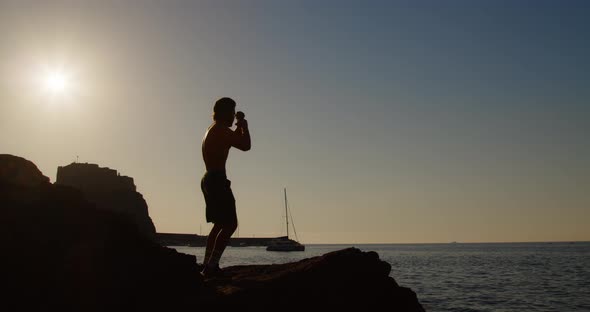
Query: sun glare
x,y
56,82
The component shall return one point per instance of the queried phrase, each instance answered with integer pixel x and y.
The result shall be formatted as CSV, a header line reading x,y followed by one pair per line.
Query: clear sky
x,y
388,122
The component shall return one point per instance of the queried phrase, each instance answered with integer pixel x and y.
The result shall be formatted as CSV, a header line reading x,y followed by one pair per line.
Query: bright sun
x,y
56,82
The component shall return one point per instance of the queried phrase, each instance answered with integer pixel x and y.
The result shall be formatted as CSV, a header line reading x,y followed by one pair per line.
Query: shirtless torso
x,y
219,139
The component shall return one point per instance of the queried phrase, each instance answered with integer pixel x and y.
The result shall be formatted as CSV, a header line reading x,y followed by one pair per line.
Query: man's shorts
x,y
220,201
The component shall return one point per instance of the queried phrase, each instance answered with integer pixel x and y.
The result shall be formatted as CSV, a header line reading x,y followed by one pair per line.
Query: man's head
x,y
224,111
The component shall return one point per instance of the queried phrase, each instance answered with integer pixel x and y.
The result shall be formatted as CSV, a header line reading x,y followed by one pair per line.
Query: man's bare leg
x,y
221,242
211,242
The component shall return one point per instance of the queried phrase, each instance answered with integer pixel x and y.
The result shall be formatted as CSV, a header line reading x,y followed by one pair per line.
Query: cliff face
x,y
108,190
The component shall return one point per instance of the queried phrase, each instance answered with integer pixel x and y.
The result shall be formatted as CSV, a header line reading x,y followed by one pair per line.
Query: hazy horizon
x,y
387,122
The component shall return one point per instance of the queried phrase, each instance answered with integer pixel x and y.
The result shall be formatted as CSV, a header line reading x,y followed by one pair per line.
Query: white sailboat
x,y
284,243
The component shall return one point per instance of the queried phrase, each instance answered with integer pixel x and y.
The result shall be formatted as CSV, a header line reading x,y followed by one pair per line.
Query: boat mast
x,y
286,214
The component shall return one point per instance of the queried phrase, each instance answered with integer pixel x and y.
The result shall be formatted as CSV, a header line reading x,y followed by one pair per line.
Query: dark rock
x,y
19,171
60,252
345,279
109,190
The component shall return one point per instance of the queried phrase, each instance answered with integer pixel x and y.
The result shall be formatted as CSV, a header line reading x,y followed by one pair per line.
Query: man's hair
x,y
223,107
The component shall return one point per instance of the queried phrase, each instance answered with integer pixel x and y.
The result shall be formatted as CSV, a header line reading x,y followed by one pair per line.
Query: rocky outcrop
x,y
61,253
109,190
19,171
343,280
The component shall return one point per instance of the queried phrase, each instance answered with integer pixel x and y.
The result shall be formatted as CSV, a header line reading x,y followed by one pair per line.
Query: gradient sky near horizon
x,y
387,121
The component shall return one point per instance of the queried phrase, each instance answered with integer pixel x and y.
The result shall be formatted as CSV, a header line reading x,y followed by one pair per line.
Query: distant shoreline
x,y
450,243
262,242
194,240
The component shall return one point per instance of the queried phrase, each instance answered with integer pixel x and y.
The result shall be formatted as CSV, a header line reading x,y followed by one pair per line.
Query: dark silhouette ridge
x,y
20,172
60,252
108,190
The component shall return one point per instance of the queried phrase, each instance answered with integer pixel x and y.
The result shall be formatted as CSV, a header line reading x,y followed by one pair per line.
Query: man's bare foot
x,y
212,271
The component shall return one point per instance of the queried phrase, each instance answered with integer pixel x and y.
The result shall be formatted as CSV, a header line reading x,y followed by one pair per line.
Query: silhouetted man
x,y
221,205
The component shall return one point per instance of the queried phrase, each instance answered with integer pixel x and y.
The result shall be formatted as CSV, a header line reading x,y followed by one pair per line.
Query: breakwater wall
x,y
194,240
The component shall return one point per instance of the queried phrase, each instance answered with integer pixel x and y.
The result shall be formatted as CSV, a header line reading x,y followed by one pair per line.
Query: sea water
x,y
466,277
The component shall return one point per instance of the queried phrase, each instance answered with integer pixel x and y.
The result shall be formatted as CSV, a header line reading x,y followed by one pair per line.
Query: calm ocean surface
x,y
466,277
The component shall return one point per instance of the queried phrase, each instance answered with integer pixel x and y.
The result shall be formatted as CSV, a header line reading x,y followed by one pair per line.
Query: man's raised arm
x,y
240,137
